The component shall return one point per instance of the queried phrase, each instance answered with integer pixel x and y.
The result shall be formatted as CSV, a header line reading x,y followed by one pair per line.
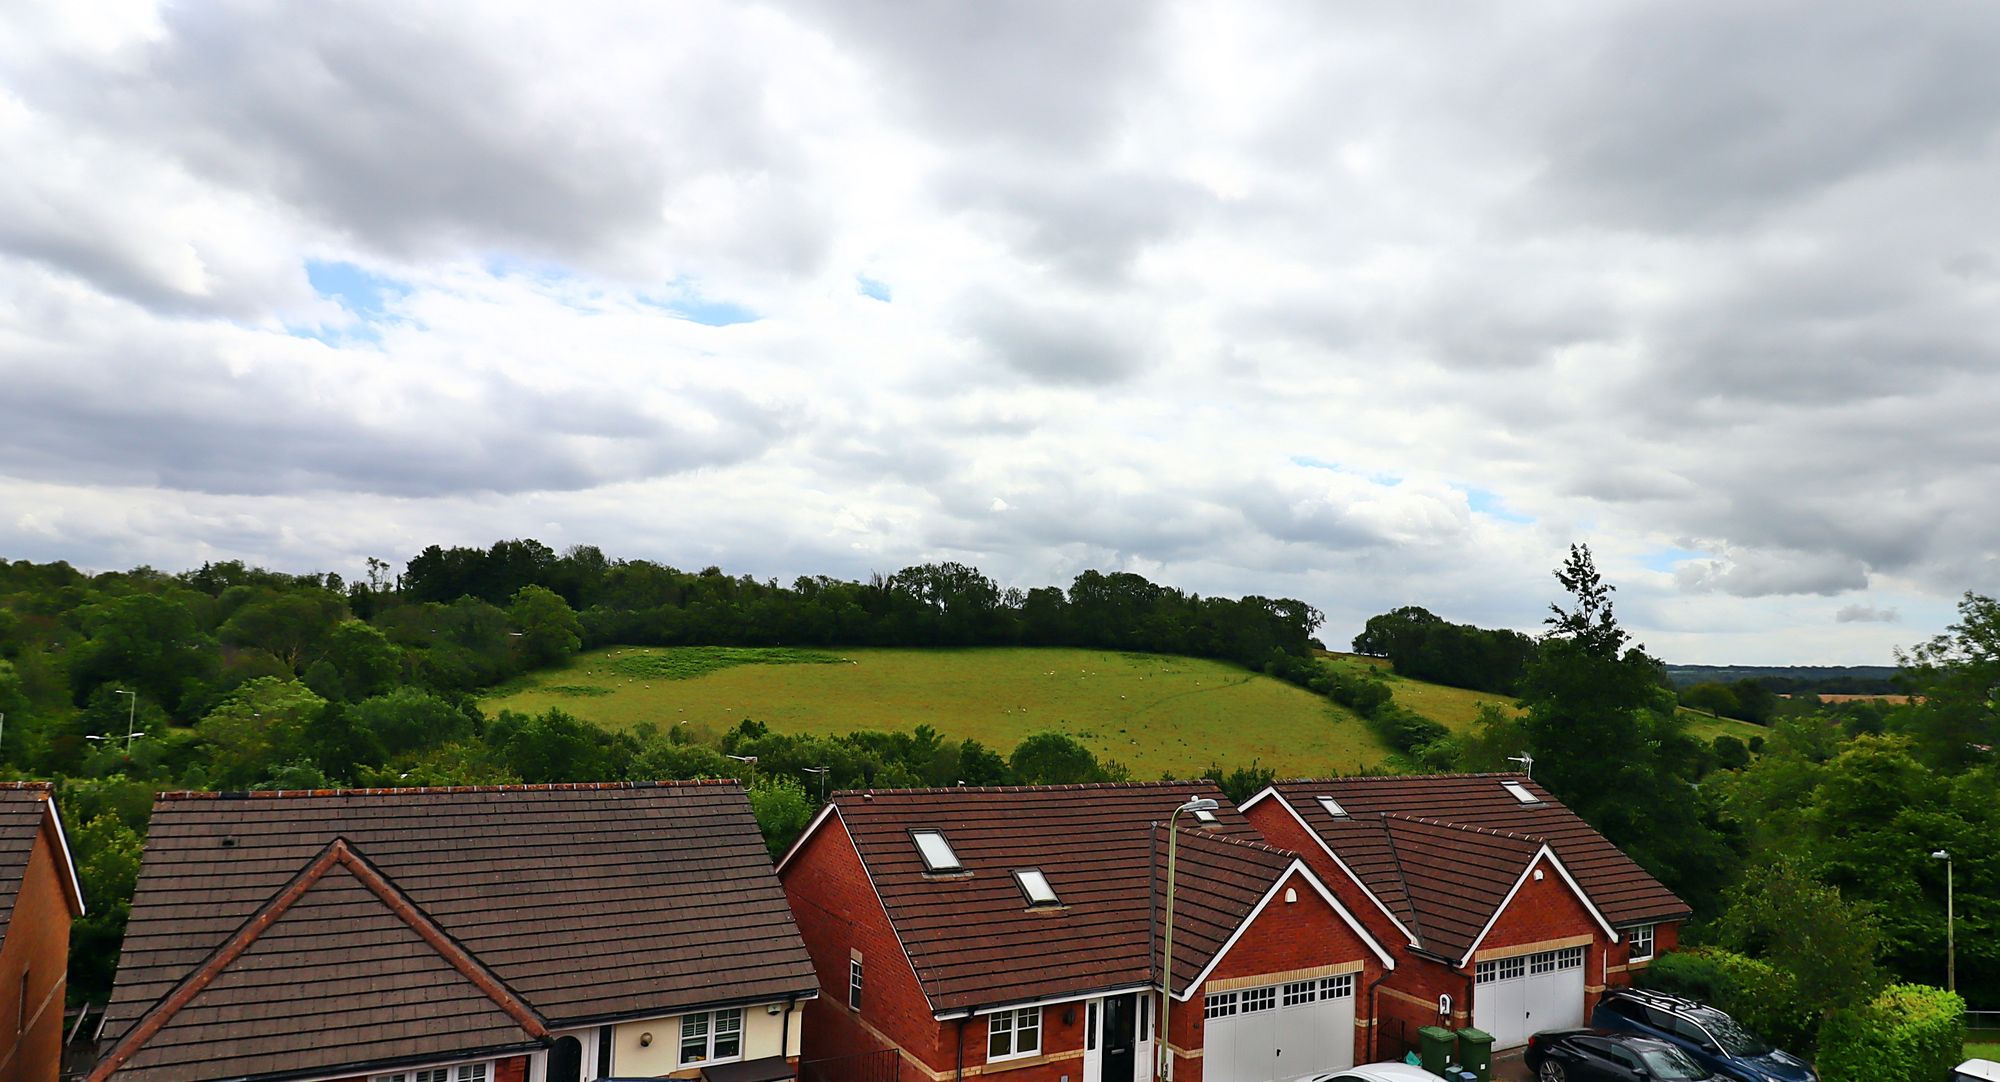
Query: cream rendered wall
x,y
763,1035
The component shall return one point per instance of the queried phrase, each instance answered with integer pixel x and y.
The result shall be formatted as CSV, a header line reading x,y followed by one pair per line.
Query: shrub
x,y
1909,1033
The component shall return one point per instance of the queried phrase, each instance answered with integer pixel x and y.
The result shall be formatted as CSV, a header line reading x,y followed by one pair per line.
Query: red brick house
x,y
1017,932
39,897
1507,911
538,933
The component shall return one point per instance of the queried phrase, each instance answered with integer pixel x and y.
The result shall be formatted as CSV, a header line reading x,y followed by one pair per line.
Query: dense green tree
x,y
782,810
144,642
550,633
366,661
258,728
1828,945
1606,740
409,718
107,854
290,626
1711,697
1052,758
554,746
1955,721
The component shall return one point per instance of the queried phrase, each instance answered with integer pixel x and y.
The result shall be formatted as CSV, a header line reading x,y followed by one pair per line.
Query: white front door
x,y
1280,1031
1514,998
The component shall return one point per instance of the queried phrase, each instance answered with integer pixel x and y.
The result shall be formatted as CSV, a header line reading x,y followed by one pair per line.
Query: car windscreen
x,y
1671,1064
1735,1040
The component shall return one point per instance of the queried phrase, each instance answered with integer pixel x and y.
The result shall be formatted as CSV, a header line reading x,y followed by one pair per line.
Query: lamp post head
x,y
120,691
744,758
1198,804
1940,855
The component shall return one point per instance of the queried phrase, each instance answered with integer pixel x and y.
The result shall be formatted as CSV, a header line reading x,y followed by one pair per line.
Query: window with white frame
x,y
1259,999
1641,939
1340,987
711,1036
1011,1034
854,984
464,1072
1218,1005
1300,993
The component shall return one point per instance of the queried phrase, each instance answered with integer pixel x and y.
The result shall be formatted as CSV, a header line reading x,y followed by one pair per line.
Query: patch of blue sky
x,y
361,292
1668,558
1386,480
1488,503
869,287
685,300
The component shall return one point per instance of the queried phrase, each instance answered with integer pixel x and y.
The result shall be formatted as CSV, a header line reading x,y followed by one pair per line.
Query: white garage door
x,y
1280,1031
1527,994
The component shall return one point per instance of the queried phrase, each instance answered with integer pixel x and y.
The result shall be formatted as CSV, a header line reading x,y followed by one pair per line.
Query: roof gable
x,y
27,810
337,969
592,902
1496,825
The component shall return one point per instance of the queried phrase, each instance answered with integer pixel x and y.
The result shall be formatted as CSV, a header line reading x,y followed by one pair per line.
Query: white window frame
x,y
476,1071
1218,1004
854,984
1010,1024
1332,807
1636,935
1029,879
711,1031
1520,792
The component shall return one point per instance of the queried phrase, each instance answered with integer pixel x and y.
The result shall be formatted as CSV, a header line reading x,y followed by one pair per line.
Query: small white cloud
x,y
1000,505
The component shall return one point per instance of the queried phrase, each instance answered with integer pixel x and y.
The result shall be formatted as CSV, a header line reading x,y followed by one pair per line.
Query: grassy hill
x,y
1457,708
1155,714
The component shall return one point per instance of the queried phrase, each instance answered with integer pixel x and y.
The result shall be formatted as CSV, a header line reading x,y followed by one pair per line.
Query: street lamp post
x,y
131,713
1950,933
1161,1069
752,760
822,771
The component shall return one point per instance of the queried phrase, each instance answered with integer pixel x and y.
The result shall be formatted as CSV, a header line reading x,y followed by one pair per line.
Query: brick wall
x,y
837,912
511,1069
37,944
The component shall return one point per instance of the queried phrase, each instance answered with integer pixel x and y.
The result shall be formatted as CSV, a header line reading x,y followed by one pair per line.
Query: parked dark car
x,y
1593,1055
1712,1038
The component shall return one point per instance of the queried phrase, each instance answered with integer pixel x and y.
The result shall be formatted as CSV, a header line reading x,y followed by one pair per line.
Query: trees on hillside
x,y
1425,646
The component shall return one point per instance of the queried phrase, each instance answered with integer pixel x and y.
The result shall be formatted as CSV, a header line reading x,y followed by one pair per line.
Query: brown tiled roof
x,y
973,939
591,902
1455,877
24,806
338,969
21,811
1497,826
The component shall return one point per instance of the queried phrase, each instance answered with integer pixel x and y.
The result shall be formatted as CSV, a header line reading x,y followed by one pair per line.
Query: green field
x,y
1457,708
1155,714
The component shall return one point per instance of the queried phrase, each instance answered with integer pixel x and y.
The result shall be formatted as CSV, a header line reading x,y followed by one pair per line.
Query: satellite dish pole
x,y
1527,763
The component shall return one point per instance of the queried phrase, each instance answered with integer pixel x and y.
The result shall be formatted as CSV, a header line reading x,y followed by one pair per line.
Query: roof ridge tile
x,y
440,790
989,789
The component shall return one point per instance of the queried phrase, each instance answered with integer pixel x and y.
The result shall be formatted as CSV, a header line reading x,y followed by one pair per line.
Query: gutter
x,y
1375,1018
958,1059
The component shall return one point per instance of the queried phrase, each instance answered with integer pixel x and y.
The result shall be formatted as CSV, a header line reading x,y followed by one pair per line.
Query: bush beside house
x,y
1909,1033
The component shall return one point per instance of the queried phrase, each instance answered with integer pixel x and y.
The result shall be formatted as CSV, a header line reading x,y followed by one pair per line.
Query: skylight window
x,y
1333,807
936,852
1036,886
1520,792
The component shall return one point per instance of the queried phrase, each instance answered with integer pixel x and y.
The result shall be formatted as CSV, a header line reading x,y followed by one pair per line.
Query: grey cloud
x,y
170,416
1707,115
1091,223
1866,614
1767,573
408,133
1054,342
1040,73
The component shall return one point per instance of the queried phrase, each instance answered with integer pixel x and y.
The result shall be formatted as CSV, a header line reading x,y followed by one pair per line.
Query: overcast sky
x,y
1366,304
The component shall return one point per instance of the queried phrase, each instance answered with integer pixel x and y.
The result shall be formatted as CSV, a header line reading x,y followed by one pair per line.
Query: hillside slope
x,y
1156,714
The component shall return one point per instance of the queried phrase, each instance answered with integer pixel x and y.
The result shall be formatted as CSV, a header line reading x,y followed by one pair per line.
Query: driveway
x,y
1507,1066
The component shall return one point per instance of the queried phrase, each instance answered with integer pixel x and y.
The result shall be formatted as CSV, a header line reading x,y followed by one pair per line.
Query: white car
x,y
1976,1070
1385,1072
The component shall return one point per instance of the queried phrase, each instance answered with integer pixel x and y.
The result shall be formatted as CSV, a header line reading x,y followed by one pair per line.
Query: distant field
x,y
1155,714
1458,708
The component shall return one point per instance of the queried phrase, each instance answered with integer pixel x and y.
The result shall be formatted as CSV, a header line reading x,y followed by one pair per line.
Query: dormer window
x,y
1036,887
1520,792
1333,807
936,852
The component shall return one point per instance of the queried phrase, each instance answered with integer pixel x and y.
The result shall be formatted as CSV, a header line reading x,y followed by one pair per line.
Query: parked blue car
x,y
1710,1037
